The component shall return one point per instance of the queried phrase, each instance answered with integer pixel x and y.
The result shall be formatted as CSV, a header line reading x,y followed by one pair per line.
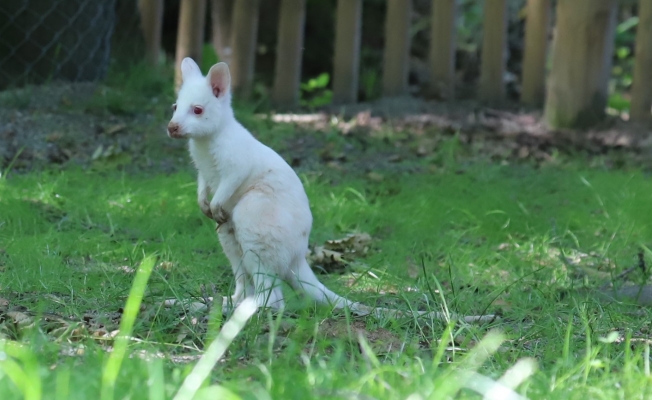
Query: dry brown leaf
x,y
336,254
20,318
126,269
356,244
113,129
375,177
322,255
412,268
166,266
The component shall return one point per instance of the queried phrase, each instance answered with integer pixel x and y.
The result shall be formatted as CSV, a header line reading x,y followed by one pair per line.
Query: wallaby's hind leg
x,y
233,252
266,285
260,232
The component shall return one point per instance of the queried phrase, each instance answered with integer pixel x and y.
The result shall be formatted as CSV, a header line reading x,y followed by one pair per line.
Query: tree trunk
x,y
244,35
442,48
151,20
537,30
221,27
289,51
642,84
397,48
494,48
581,63
190,37
347,51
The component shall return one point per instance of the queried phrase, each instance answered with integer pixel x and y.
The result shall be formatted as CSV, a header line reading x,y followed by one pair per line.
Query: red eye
x,y
174,107
197,110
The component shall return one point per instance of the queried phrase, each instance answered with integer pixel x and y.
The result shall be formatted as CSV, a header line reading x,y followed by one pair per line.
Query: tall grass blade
x,y
63,383
156,381
113,364
26,377
216,350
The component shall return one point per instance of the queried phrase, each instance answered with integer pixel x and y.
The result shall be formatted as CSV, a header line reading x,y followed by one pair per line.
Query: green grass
x,y
464,233
66,236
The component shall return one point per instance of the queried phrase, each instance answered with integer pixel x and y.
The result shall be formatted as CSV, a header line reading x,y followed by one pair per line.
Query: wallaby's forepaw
x,y
206,209
220,215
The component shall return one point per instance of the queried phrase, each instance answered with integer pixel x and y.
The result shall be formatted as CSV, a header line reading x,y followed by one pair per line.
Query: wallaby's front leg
x,y
223,193
202,196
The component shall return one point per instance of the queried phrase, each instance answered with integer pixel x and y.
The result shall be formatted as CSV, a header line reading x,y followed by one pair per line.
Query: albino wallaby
x,y
256,198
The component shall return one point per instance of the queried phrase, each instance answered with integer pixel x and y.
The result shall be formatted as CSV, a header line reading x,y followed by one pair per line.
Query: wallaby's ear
x,y
219,78
189,68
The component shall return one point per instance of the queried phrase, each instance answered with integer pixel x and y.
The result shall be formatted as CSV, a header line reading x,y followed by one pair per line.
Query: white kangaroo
x,y
260,206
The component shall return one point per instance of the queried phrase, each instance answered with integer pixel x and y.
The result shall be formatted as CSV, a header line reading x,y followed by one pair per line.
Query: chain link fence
x,y
47,40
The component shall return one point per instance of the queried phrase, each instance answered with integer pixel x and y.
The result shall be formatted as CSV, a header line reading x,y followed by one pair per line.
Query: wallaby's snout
x,y
174,131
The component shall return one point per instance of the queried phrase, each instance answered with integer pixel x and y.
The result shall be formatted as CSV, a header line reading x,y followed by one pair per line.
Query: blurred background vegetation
x,y
319,36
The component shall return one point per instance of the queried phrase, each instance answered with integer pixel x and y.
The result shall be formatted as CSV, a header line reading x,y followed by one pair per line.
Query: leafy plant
x,y
315,92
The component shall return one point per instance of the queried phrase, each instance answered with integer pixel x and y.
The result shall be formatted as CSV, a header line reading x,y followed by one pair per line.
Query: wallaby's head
x,y
203,101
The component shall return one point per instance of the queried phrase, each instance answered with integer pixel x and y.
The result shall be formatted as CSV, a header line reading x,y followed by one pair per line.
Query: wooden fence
x,y
573,92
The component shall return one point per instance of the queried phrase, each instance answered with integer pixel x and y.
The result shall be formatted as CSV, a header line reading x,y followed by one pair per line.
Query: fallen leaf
x,y
335,255
98,152
21,319
354,243
112,130
53,137
166,266
375,176
127,269
412,268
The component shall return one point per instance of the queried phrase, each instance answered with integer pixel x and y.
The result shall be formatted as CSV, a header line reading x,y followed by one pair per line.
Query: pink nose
x,y
173,130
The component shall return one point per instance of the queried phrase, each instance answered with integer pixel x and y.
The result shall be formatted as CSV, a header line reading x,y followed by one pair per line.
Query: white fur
x,y
259,199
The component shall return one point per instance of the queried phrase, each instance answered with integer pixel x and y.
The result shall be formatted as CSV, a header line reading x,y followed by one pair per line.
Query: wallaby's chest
x,y
205,162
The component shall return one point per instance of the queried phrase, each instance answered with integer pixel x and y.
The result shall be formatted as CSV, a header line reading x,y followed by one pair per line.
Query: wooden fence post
x,y
287,74
537,30
442,48
494,48
397,48
151,21
190,37
221,27
642,83
348,31
581,63
245,33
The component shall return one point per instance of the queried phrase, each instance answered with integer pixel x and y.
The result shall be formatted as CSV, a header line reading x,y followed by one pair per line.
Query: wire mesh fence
x,y
44,40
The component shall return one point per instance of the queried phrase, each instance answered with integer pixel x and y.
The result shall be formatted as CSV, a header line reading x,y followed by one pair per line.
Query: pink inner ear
x,y
217,91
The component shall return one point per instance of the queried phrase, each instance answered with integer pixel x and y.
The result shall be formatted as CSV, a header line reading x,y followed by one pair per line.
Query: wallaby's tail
x,y
304,279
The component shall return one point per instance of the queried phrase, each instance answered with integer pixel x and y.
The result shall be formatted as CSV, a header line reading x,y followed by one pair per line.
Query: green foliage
x,y
469,25
618,102
623,68
208,57
315,92
132,89
370,83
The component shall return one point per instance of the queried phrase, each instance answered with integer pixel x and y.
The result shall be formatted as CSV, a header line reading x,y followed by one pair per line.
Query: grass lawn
x,y
532,243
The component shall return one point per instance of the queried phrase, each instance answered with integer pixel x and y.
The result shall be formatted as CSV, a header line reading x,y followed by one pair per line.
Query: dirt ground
x,y
61,124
